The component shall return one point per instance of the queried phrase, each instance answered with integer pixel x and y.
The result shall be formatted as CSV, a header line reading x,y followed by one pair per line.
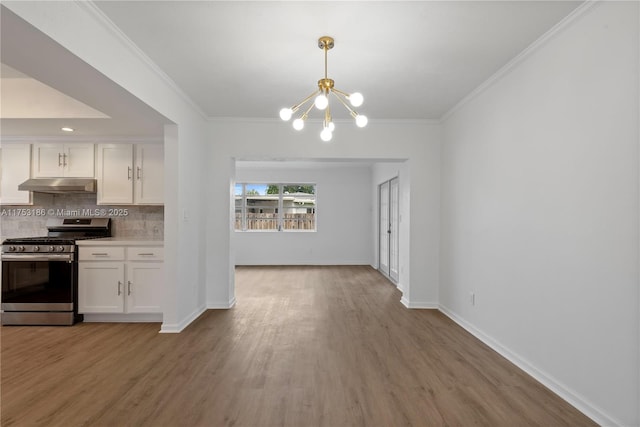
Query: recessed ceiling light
x,y
67,129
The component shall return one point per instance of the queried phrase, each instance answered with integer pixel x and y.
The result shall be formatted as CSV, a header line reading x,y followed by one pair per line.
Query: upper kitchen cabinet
x,y
15,168
130,174
114,170
52,160
149,179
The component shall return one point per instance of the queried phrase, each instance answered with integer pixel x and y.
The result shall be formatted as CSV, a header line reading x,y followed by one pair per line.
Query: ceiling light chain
x,y
321,101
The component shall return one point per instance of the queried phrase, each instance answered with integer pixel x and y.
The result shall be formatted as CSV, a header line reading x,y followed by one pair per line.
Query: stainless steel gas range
x,y
40,274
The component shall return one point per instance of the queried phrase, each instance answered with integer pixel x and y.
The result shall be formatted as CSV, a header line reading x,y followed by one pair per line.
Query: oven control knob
x,y
61,248
51,249
36,249
12,248
20,248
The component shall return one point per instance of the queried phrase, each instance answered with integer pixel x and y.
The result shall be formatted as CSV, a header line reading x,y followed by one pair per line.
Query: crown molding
x,y
272,120
521,57
85,139
111,27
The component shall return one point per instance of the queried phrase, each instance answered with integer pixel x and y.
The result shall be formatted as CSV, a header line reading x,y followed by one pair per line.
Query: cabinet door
x,y
78,160
15,165
144,287
149,174
115,174
47,160
101,287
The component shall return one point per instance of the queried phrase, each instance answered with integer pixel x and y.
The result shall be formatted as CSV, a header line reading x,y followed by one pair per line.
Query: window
x,y
275,207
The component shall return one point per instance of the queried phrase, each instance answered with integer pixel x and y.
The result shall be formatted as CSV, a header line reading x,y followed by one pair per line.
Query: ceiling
x,y
411,60
45,87
25,97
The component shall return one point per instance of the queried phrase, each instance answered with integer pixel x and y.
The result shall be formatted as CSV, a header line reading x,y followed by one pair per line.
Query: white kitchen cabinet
x,y
51,160
143,291
15,168
149,174
114,169
115,279
130,174
101,287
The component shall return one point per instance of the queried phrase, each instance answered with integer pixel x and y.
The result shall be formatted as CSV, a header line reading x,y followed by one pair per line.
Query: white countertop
x,y
118,241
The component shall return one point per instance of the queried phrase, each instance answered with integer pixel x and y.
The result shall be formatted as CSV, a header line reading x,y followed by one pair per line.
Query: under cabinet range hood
x,y
59,185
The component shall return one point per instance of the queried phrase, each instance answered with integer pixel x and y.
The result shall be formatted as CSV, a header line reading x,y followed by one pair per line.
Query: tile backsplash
x,y
127,222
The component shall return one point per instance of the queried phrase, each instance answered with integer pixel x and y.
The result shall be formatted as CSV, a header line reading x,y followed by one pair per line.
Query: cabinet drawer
x,y
145,253
98,253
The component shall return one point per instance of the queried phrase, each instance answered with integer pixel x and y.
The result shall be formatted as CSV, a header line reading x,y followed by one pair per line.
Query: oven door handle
x,y
37,257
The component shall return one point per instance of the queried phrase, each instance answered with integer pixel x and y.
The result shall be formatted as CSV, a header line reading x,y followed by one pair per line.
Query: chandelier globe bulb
x,y
326,134
331,126
321,101
361,121
356,99
298,124
286,113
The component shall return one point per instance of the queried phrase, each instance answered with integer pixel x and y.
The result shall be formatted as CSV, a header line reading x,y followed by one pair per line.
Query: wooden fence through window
x,y
269,221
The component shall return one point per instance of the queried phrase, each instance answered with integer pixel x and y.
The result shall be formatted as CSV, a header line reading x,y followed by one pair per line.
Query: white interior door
x,y
383,228
394,228
388,229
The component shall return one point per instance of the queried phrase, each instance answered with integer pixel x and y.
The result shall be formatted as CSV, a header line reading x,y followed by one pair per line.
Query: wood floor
x,y
304,346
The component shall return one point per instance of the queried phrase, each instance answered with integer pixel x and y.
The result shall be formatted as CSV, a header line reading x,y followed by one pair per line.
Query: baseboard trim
x,y
548,381
221,305
179,327
123,318
419,304
176,328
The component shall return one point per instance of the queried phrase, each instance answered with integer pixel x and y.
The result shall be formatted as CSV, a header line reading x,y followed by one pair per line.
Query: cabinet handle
x,y
99,254
147,254
119,285
138,172
128,172
59,159
128,287
64,160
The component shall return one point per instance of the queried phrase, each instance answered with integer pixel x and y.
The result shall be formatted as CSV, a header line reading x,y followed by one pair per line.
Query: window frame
x,y
279,210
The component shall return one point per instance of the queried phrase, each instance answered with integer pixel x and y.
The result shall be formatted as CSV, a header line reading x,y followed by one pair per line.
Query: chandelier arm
x,y
306,113
346,95
327,116
335,93
304,101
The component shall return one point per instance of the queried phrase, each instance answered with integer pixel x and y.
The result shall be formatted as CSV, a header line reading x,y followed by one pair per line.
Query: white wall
x,y
540,213
82,29
344,215
419,142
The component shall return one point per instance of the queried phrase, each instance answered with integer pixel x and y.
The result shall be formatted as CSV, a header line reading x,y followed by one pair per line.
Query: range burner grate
x,y
46,239
40,240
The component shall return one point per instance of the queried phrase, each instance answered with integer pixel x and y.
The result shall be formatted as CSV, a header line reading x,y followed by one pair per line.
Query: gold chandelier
x,y
325,86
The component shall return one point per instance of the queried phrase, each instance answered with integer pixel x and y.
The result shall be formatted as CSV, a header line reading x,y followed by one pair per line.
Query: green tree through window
x,y
308,189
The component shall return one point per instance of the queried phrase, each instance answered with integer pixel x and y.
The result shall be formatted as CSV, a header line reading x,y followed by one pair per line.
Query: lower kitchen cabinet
x,y
100,287
120,279
143,280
